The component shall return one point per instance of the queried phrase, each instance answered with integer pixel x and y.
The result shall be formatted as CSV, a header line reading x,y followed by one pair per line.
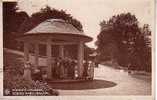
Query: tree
x,y
11,23
48,13
144,48
133,45
107,49
17,23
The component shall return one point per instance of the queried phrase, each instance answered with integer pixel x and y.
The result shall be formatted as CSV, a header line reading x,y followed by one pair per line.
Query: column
x,y
61,51
80,58
27,65
36,55
61,54
49,64
26,52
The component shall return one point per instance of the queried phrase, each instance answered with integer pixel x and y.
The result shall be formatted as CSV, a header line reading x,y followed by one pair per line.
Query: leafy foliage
x,y
13,71
16,23
11,23
132,42
48,13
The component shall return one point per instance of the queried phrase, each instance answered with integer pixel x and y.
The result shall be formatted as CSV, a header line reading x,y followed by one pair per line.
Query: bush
x,y
12,81
13,76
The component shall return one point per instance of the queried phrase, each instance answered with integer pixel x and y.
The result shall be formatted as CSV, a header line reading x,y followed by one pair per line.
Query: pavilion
x,y
54,32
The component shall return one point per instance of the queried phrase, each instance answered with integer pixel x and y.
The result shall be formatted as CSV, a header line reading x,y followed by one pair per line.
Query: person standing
x,y
61,67
73,64
27,71
66,65
85,73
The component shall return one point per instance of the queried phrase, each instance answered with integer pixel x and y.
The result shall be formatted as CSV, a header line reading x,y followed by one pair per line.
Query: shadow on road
x,y
95,84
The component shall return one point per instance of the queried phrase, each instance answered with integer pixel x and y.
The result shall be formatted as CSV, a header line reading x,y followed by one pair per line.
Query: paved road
x,y
110,81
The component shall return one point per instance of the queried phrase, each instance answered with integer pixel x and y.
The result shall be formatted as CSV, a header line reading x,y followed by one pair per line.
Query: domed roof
x,y
57,27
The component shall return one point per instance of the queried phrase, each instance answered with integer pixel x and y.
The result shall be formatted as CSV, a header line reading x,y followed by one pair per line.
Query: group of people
x,y
64,68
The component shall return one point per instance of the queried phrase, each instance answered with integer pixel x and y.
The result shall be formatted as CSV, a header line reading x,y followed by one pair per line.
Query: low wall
x,y
42,60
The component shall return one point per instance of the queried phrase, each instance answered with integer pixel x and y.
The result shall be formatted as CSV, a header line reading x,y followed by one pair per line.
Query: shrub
x,y
12,81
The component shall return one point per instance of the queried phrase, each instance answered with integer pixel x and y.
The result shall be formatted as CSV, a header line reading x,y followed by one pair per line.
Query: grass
x,y
13,72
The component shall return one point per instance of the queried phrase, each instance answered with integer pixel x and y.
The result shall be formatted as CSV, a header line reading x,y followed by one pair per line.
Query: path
x,y
110,81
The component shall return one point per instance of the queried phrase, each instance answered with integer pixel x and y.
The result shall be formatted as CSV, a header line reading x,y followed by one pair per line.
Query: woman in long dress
x,y
61,67
27,71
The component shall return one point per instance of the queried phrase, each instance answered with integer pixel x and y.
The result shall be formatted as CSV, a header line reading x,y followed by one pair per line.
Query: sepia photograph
x,y
78,48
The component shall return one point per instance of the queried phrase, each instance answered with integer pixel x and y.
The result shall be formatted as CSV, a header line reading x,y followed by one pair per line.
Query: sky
x,y
91,12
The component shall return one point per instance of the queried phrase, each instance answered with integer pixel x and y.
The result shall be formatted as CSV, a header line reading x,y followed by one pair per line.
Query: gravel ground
x,y
109,81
